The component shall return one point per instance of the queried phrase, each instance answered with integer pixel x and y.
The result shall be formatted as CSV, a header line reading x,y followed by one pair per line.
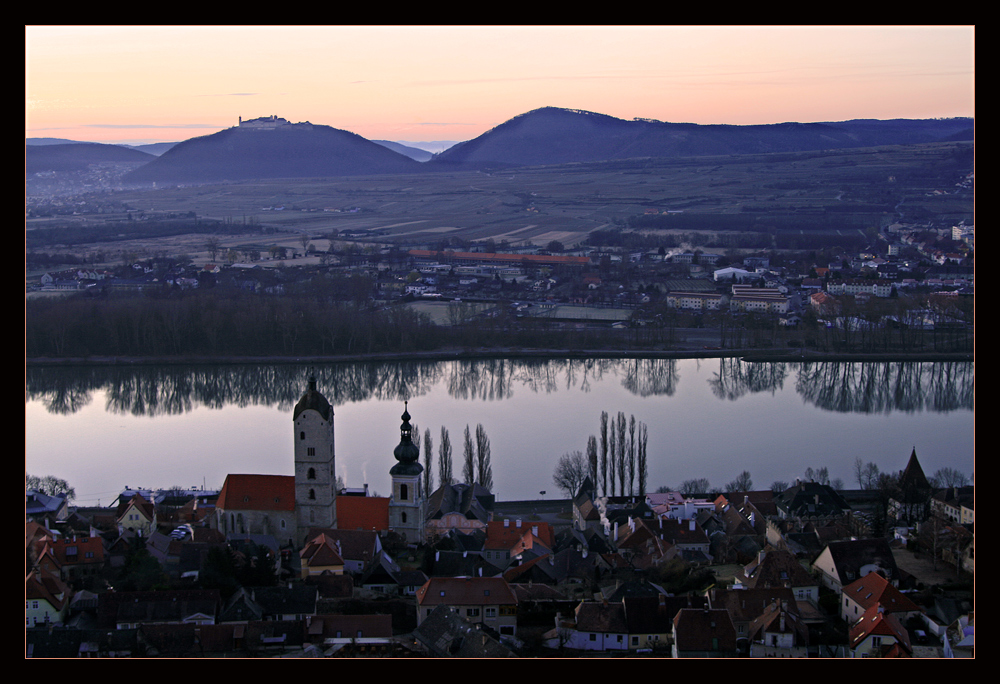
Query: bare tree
x,y
570,472
697,486
444,458
949,477
742,483
867,474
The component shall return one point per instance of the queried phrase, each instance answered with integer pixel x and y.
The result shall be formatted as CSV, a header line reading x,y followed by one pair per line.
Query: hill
x,y
75,157
300,150
552,135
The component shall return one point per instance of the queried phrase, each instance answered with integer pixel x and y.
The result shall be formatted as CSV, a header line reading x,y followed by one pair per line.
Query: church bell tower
x,y
406,506
315,472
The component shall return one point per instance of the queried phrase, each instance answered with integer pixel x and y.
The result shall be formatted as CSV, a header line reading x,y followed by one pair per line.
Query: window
x,y
593,637
491,612
403,492
472,612
310,451
312,472
312,493
302,436
635,641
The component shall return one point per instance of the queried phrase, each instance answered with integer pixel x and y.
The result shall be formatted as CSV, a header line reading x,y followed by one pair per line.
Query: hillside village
x,y
302,566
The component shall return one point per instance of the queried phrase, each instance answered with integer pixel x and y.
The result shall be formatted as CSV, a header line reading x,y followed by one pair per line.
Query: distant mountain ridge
x,y
553,135
271,147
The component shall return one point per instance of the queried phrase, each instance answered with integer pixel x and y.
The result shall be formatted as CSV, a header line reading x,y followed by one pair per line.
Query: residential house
x,y
321,555
841,563
507,540
704,633
746,605
446,633
486,600
460,507
878,634
596,626
46,599
137,515
79,557
358,548
779,568
779,632
871,590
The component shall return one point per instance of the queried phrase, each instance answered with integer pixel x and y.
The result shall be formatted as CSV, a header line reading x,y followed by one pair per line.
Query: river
x,y
106,428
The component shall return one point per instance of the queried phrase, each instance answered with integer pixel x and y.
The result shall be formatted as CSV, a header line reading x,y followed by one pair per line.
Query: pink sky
x,y
423,83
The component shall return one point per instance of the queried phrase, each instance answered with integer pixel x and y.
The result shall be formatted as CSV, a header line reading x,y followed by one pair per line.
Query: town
x,y
905,288
303,566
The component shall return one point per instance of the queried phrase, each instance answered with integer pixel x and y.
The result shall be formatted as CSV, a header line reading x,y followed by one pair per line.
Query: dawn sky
x,y
140,84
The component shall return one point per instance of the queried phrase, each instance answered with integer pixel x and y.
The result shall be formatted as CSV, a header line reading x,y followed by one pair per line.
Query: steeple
x,y
406,452
406,507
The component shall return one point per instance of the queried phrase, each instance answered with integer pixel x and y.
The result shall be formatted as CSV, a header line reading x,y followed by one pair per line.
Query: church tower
x,y
315,474
406,506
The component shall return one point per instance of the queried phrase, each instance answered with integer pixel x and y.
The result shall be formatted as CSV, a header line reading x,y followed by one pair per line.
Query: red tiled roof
x,y
500,257
465,591
363,513
873,589
257,493
505,537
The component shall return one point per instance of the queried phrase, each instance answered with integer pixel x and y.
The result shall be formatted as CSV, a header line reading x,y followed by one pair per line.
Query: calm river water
x,y
103,429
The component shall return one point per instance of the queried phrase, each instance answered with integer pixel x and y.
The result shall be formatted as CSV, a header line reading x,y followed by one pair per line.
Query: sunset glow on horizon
x,y
143,84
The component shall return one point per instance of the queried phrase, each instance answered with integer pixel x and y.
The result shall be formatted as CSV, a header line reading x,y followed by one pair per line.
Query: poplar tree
x,y
484,468
444,458
469,459
428,463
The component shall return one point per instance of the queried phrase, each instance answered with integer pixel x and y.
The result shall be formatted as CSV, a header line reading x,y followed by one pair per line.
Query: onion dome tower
x,y
406,506
315,472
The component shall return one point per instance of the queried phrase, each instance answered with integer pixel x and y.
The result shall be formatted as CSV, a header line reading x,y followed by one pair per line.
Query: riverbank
x,y
749,355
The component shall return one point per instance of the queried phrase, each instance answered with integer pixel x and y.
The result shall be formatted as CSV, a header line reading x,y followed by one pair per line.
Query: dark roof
x,y
445,634
475,502
315,401
811,499
850,556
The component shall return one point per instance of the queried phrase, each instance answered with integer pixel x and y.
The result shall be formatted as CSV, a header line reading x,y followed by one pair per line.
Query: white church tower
x,y
406,506
315,472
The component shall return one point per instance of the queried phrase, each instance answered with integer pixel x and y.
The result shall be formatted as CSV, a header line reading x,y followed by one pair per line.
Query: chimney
x,y
691,525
